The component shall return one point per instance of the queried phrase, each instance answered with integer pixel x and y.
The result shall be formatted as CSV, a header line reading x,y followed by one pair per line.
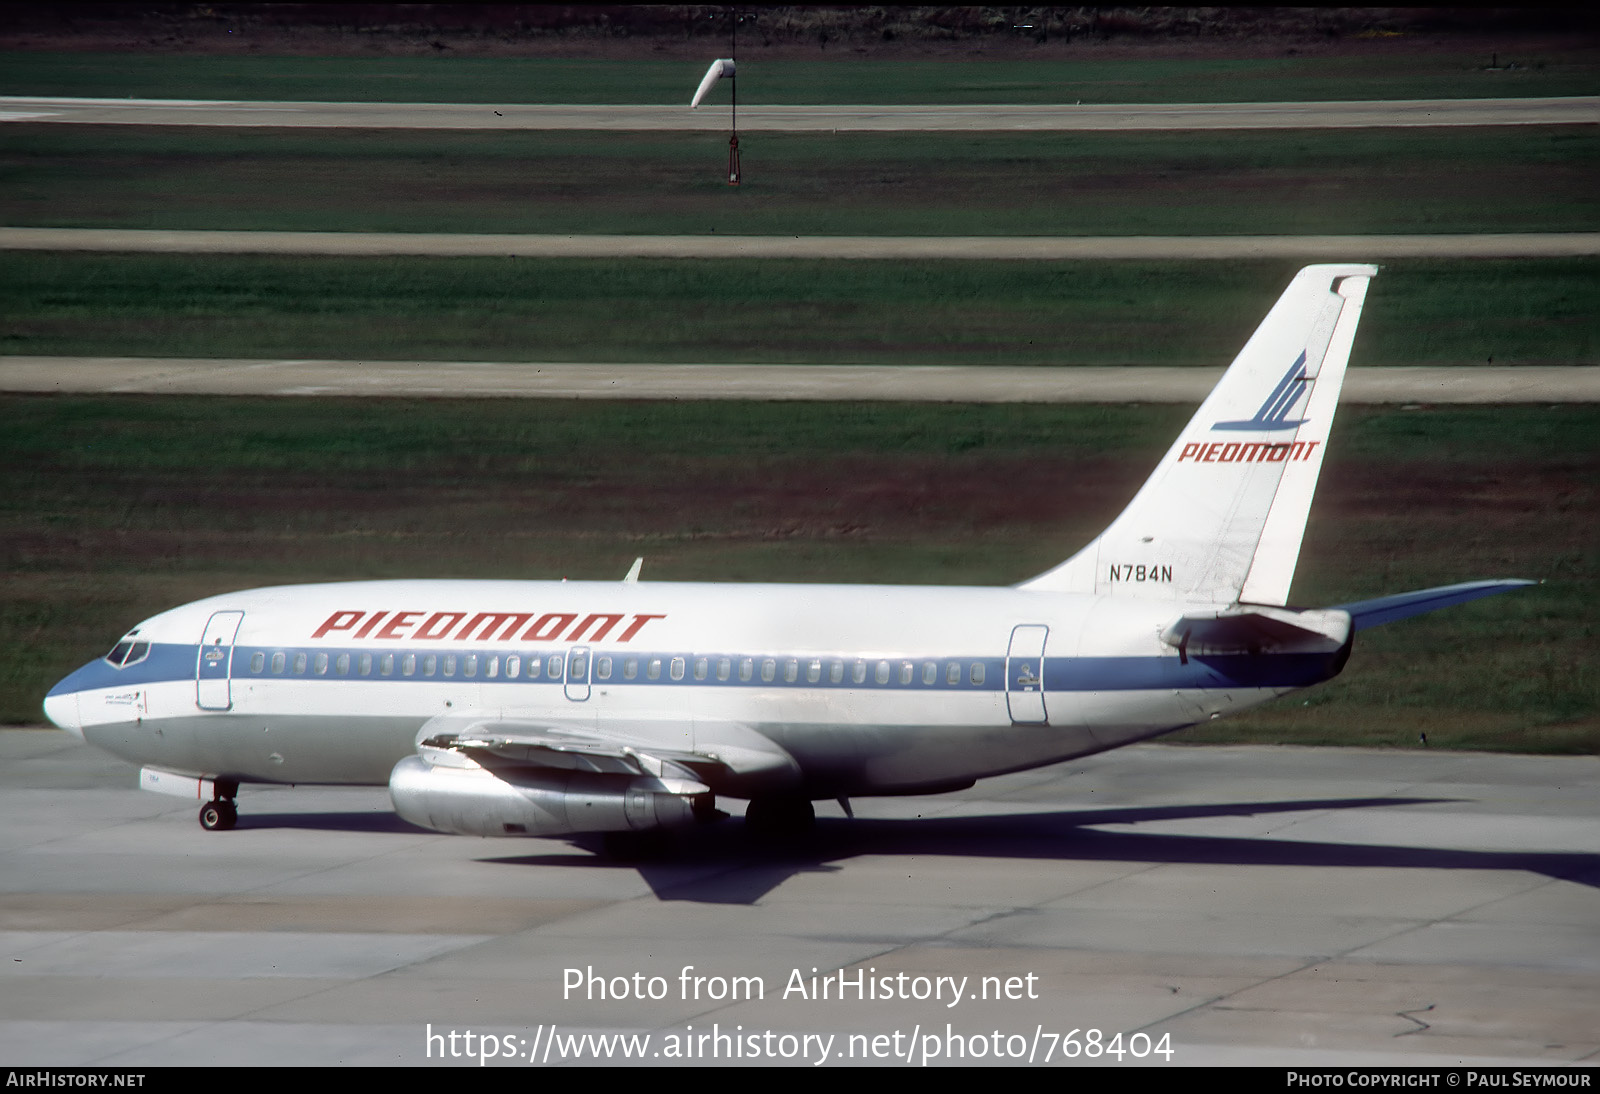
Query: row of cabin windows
x,y
606,668
409,664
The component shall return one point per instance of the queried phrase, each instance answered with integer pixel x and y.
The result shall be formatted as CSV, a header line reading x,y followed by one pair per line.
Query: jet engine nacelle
x,y
473,801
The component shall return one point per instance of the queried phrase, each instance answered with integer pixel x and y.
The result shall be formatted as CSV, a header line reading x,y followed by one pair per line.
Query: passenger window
x,y
386,665
814,672
469,665
299,664
630,668
952,673
882,673
278,660
836,672
533,668
513,666
653,670
769,670
677,668
552,667
602,668
858,672
319,664
492,669
747,668
930,673
408,665
577,667
724,669
342,664
430,664
791,671
977,673
258,661
701,668
906,669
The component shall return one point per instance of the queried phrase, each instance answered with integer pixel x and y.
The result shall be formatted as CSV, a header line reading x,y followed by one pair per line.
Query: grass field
x,y
114,508
1310,182
1376,71
1058,313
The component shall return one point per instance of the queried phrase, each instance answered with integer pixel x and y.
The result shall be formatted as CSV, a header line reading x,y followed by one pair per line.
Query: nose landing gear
x,y
220,814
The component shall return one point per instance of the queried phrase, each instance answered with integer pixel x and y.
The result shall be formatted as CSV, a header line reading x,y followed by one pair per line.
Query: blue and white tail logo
x,y
1274,413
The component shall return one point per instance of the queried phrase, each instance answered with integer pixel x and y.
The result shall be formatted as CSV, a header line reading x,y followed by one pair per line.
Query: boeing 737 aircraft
x,y
559,708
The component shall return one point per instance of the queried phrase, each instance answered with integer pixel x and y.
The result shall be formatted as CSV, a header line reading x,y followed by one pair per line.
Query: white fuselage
x,y
822,689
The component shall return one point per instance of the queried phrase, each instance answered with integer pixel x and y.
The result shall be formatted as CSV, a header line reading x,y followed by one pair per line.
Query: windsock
x,y
721,67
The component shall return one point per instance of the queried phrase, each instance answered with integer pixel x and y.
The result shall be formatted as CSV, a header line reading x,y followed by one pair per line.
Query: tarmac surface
x,y
1252,905
1366,248
1573,110
913,383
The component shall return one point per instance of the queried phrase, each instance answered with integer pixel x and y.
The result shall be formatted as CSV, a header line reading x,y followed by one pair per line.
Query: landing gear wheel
x,y
652,843
218,816
780,818
706,811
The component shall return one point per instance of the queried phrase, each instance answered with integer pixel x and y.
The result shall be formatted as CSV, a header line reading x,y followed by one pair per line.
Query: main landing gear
x,y
220,814
779,818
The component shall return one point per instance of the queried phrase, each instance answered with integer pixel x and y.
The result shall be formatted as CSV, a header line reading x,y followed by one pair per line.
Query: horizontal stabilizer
x,y
1258,629
1387,609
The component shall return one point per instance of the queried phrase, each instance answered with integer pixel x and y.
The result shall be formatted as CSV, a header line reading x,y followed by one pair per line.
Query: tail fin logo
x,y
1274,413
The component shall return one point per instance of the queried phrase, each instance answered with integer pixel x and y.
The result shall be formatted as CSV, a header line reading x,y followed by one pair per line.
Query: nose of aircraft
x,y
61,707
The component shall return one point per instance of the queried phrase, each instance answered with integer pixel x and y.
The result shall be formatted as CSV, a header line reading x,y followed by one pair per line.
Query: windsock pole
x,y
733,139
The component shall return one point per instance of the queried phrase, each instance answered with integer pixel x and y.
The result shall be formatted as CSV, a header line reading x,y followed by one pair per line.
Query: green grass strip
x,y
1375,73
757,311
115,508
1293,182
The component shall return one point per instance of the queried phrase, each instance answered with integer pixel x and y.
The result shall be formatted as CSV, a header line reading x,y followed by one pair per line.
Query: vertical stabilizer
x,y
1221,519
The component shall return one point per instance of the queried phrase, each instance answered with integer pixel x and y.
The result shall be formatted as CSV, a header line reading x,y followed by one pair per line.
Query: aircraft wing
x,y
732,754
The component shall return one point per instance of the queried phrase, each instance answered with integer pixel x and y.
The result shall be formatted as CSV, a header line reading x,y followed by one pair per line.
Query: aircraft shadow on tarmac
x,y
720,866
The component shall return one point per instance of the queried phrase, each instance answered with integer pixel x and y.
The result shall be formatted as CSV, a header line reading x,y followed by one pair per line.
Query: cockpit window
x,y
127,653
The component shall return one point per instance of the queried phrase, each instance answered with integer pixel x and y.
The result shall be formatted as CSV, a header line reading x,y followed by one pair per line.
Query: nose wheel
x,y
218,816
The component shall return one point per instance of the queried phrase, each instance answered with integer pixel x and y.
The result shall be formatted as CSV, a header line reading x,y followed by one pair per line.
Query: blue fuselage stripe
x,y
177,663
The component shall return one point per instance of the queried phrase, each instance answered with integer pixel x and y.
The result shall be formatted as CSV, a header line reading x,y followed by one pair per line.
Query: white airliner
x,y
552,708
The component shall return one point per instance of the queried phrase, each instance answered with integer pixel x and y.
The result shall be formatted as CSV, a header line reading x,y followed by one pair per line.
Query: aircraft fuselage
x,y
868,689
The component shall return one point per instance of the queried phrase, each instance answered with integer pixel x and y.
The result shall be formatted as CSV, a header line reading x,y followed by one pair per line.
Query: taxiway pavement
x,y
1258,905
1581,110
911,383
1323,248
